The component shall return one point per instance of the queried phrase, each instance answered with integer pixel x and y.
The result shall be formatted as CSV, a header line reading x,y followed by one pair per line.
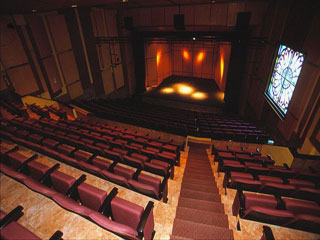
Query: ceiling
x,y
26,6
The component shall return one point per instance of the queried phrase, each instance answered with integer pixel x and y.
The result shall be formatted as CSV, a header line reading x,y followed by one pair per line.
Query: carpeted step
x,y
198,181
187,170
200,188
201,205
193,230
198,175
173,237
199,168
215,197
204,217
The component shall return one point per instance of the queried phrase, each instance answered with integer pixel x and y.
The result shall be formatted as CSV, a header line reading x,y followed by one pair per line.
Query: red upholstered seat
x,y
307,193
38,187
153,149
143,188
148,153
113,226
258,170
226,155
102,163
278,188
135,162
89,168
122,171
305,222
140,156
61,182
35,137
265,178
301,183
119,150
16,159
91,196
152,181
253,164
103,145
113,155
82,155
16,231
72,205
50,143
5,150
260,200
125,212
137,145
37,170
115,178
88,141
234,175
246,184
65,149
268,215
170,148
298,206
12,173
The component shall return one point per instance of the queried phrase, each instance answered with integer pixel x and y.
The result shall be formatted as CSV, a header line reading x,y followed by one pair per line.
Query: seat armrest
x,y
56,236
73,191
14,215
105,208
144,219
46,180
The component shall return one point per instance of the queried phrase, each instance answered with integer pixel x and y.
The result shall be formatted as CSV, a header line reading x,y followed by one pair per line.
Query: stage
x,y
188,93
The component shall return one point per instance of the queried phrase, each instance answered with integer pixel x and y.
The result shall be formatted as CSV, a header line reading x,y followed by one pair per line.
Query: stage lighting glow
x,y
200,57
184,89
158,57
220,96
186,55
221,67
199,95
167,90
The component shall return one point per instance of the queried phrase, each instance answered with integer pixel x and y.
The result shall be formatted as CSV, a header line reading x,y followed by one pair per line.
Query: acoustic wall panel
x,y
202,14
69,67
157,16
75,90
118,74
59,32
233,9
107,81
53,74
23,80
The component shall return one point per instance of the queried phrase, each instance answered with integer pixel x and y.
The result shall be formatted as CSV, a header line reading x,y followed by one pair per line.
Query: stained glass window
x,y
284,77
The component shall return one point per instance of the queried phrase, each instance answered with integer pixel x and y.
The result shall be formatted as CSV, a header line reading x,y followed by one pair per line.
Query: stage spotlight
x,y
167,90
186,55
194,38
199,95
184,89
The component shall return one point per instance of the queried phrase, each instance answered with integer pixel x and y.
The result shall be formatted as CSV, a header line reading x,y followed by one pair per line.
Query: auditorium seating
x,y
114,170
288,212
108,211
176,121
11,229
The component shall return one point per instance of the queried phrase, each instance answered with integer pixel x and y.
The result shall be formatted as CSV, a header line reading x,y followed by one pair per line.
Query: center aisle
x,y
200,213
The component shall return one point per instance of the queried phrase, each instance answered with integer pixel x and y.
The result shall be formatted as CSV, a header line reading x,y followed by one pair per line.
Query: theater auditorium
x,y
166,119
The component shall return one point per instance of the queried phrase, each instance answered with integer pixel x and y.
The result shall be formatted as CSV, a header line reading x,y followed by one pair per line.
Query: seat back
x,y
61,182
91,196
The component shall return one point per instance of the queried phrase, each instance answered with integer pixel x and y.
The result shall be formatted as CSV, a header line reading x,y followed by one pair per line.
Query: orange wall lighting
x,y
200,57
185,55
221,66
158,57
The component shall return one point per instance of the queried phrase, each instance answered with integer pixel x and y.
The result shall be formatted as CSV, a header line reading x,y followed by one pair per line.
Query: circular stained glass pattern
x,y
284,77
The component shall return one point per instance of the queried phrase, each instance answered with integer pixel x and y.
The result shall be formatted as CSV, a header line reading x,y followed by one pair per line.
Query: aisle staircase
x,y
200,213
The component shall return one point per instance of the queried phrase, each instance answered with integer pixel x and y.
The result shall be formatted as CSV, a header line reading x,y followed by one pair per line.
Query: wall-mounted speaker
x,y
243,20
178,20
128,23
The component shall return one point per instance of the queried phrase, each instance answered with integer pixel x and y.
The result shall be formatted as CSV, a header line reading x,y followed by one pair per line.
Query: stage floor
x,y
189,92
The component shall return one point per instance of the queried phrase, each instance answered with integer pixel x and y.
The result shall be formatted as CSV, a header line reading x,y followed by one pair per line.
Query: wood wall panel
x,y
11,50
23,80
75,90
97,20
219,14
111,22
202,15
189,16
233,9
169,13
53,75
118,74
38,31
107,81
157,16
59,32
69,67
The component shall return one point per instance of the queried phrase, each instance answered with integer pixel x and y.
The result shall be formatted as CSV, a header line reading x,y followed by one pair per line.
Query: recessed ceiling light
x,y
194,38
34,10
124,1
74,5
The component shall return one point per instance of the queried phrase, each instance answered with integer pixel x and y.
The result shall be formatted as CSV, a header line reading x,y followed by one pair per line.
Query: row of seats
x,y
293,213
108,211
43,113
161,163
112,171
295,188
58,112
177,121
11,229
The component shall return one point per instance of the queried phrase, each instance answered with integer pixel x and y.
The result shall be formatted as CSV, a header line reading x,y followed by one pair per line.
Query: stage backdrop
x,y
195,59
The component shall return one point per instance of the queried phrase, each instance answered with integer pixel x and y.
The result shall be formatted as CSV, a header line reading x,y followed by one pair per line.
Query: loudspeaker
x,y
243,20
128,23
178,20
